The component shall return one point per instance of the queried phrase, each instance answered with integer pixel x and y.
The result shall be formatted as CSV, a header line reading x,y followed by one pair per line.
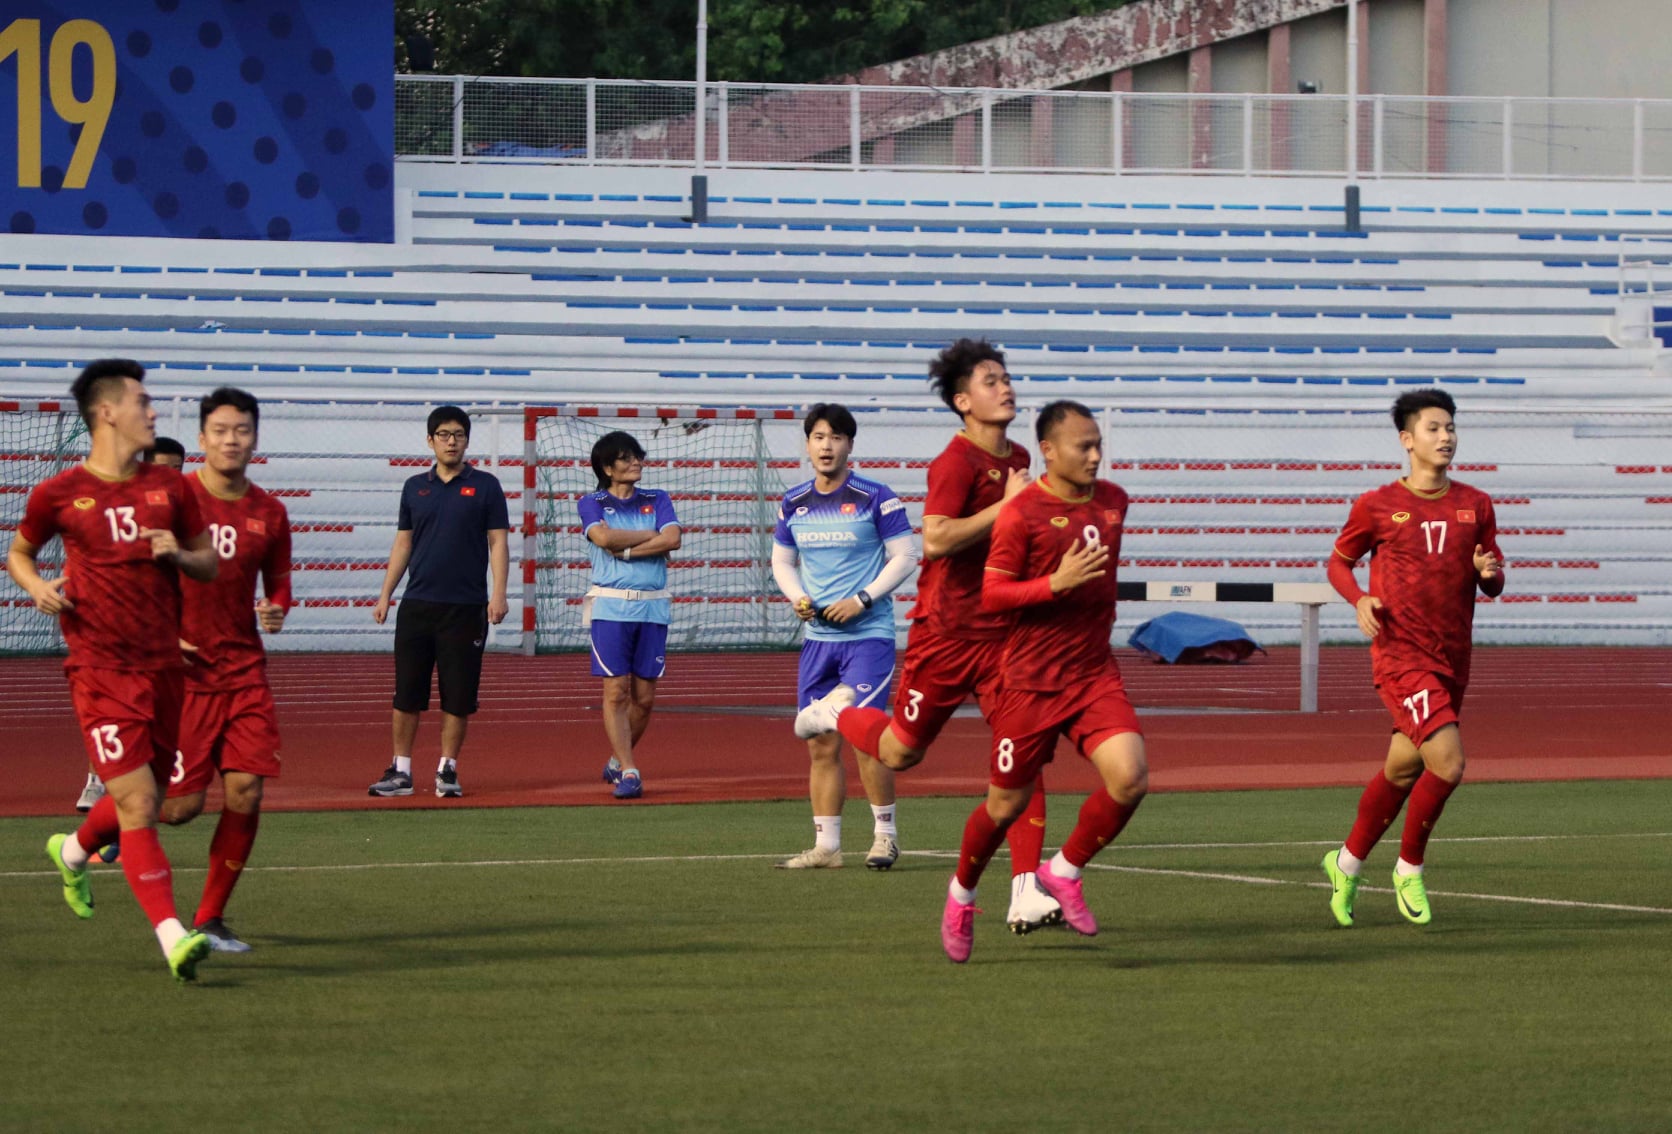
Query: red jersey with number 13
x,y
1422,567
251,537
964,480
127,603
1058,644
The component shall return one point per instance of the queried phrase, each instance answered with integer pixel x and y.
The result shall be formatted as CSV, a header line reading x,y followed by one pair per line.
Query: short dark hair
x,y
1055,413
100,379
240,400
834,415
1412,403
949,373
610,448
441,415
165,446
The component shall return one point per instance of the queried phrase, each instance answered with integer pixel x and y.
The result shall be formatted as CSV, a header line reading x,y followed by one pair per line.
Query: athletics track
x,y
722,729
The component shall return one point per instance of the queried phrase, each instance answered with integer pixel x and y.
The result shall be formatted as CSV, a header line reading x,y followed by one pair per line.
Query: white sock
x,y
403,765
883,818
1062,868
1349,863
169,931
74,857
828,831
447,764
1406,868
963,896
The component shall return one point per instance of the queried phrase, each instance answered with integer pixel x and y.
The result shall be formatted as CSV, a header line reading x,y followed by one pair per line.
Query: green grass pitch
x,y
637,968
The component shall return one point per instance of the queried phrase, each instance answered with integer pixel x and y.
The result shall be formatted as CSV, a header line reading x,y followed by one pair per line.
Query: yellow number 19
x,y
23,38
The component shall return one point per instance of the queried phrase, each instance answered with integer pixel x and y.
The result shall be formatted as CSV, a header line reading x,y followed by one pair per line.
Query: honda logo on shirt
x,y
467,492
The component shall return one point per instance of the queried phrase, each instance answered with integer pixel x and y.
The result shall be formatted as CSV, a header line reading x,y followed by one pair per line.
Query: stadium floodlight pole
x,y
699,180
1351,212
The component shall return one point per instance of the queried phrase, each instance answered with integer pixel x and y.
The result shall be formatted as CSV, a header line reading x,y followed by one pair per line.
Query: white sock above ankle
x,y
1062,868
827,830
74,857
1405,868
403,765
883,818
1349,863
447,764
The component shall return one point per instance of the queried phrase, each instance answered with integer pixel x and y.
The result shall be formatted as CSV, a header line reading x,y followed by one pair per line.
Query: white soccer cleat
x,y
1030,907
820,717
91,794
815,858
884,852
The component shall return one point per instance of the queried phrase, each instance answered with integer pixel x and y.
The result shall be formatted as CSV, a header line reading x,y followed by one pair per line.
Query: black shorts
x,y
446,638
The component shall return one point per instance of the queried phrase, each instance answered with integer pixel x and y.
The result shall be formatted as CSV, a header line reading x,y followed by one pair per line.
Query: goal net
x,y
725,488
37,441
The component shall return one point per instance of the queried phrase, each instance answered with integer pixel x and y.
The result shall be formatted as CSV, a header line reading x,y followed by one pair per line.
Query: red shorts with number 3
x,y
1026,724
232,730
129,718
938,675
1422,703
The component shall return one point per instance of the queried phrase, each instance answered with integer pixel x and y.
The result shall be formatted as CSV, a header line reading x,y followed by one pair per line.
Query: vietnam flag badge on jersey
x,y
156,498
1465,515
255,526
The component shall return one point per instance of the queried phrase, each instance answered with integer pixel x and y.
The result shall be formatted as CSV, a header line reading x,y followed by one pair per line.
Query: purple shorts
x,y
620,648
866,664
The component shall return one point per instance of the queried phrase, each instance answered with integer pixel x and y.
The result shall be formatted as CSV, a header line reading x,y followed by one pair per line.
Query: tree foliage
x,y
785,41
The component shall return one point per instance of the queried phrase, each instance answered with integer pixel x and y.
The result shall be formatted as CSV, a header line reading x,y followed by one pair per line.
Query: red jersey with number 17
x,y
1422,567
1058,644
964,480
251,536
126,612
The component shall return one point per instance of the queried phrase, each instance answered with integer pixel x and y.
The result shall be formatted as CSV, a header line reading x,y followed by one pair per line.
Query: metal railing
x,y
619,122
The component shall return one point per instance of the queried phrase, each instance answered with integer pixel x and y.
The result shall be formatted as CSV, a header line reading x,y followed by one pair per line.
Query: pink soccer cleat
x,y
958,929
1070,893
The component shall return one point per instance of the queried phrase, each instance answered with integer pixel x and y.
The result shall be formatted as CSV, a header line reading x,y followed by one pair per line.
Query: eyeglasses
x,y
450,435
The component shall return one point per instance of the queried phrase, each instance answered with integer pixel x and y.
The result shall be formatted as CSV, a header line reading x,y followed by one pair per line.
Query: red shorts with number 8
x,y
232,730
129,718
1026,724
1422,703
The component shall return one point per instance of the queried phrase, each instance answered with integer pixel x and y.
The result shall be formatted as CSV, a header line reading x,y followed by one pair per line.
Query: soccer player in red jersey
x,y
954,647
1432,542
1052,560
229,723
130,530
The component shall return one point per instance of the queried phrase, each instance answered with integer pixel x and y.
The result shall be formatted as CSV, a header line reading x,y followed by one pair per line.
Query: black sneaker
x,y
447,784
393,783
221,939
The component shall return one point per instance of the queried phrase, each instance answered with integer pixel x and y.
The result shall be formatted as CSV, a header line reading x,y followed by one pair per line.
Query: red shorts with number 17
x,y
129,718
231,730
1026,724
1422,703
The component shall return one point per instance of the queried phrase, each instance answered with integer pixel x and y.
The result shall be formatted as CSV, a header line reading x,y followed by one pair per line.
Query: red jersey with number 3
x,y
1422,567
964,480
1064,642
251,537
127,604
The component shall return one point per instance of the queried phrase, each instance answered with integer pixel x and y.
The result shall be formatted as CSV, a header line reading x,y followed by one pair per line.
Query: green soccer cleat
x,y
78,892
1412,897
1343,887
187,952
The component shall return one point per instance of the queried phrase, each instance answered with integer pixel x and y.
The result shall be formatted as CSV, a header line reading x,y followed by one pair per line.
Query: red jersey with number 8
x,y
251,538
127,603
1422,567
1058,644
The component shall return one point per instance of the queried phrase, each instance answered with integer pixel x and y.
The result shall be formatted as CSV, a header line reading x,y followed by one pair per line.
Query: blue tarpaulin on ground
x,y
1181,638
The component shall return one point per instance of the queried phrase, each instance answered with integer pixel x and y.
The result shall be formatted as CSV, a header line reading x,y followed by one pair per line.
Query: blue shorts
x,y
620,648
866,664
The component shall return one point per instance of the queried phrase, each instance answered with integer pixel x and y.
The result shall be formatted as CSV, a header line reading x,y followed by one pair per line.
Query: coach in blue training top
x,y
453,528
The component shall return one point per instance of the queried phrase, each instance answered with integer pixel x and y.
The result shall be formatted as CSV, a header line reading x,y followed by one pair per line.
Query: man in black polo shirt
x,y
453,527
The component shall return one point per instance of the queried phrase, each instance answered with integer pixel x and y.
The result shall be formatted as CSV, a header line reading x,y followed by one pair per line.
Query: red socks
x,y
863,728
100,828
1428,799
1027,834
1101,819
1377,809
982,837
149,875
228,851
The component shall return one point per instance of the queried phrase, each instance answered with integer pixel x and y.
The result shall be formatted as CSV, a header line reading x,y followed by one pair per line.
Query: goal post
x,y
38,440
725,487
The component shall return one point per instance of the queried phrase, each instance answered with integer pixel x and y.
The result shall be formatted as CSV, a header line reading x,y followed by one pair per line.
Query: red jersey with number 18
x,y
251,537
963,481
1422,567
127,604
1057,644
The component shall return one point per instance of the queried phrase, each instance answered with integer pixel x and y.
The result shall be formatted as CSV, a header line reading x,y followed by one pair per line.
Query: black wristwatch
x,y
865,600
